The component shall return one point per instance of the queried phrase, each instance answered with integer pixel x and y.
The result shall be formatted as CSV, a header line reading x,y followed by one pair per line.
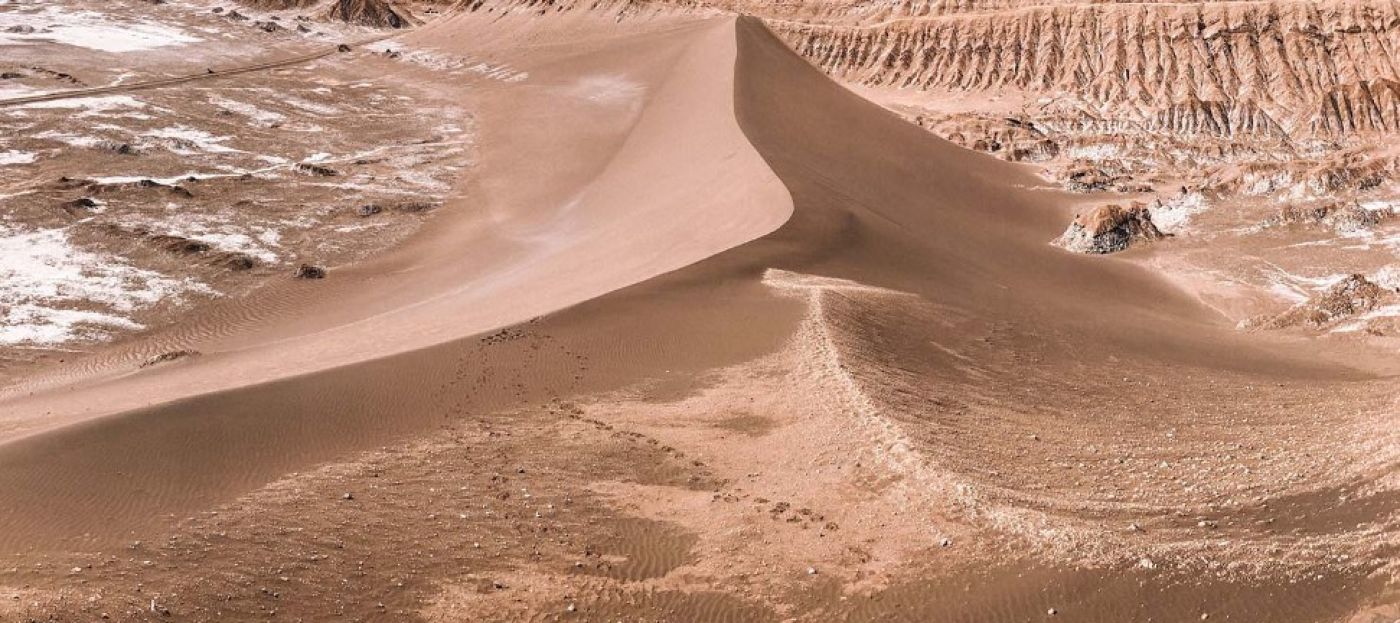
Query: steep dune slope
x,y
1005,364
647,173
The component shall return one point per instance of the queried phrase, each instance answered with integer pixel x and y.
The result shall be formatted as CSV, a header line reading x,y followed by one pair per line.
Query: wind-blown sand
x,y
767,351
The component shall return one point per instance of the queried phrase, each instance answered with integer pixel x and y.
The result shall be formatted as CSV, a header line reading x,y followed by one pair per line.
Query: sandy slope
x,y
645,173
712,229
567,207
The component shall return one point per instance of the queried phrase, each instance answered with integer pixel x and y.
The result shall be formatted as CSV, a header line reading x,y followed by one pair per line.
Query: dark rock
x,y
413,207
315,169
1091,179
308,271
1352,296
236,261
83,203
180,245
174,355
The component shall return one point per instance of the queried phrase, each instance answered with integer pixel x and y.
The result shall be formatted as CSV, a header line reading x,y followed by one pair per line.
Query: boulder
x,y
1109,229
309,271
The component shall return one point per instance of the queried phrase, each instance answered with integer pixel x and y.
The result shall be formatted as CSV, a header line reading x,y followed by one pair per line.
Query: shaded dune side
x,y
882,205
1029,388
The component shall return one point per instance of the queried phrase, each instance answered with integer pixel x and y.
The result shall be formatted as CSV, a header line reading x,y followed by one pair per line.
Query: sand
x,y
704,335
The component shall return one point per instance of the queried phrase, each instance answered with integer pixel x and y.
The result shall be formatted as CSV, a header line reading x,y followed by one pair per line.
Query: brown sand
x,y
755,348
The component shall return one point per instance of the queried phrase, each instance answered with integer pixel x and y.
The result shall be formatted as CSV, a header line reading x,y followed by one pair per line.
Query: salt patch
x,y
92,105
1298,288
259,241
310,106
15,157
1173,215
247,110
87,29
1094,152
199,139
55,292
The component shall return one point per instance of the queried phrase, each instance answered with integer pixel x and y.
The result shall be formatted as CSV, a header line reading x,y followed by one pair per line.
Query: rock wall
x,y
1291,68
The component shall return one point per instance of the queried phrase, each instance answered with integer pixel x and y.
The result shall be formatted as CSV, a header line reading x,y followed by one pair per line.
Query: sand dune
x,y
568,208
703,227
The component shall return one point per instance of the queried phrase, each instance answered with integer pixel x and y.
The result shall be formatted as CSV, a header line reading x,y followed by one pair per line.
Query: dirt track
x,y
212,74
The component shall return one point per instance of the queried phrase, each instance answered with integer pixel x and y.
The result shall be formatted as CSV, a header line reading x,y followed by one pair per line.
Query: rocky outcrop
x,y
1340,217
1109,229
168,357
1291,68
375,13
279,5
1350,297
310,271
315,170
1222,68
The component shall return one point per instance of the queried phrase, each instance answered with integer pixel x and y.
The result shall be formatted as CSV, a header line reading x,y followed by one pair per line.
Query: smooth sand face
x,y
708,336
566,208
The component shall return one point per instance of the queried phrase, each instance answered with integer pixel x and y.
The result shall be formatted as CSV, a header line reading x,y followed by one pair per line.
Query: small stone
x,y
348,496
811,570
309,271
571,608
946,543
1052,612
